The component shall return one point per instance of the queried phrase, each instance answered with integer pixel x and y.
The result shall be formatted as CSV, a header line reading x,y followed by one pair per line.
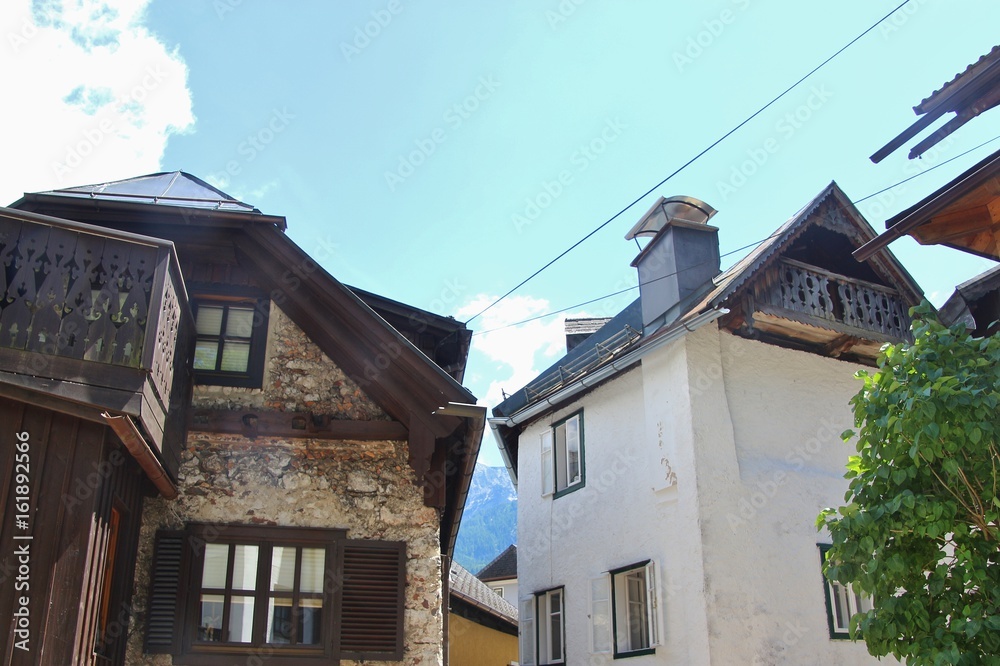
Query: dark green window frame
x,y
546,617
564,461
829,589
650,615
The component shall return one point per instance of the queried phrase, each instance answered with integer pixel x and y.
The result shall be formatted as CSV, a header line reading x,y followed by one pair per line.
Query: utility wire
x,y
726,254
685,165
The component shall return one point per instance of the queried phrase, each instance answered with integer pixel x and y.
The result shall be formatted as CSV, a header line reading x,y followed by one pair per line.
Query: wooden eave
x,y
964,214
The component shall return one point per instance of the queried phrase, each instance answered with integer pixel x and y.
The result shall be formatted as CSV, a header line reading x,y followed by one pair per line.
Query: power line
x,y
725,254
685,165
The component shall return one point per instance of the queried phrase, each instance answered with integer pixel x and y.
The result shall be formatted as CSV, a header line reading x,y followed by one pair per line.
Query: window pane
x,y
573,450
209,320
282,569
241,620
240,322
560,454
312,570
205,353
245,568
841,614
210,623
555,625
279,620
235,356
214,573
636,594
310,621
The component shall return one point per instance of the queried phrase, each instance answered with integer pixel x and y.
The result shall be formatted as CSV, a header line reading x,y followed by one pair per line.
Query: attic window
x,y
231,339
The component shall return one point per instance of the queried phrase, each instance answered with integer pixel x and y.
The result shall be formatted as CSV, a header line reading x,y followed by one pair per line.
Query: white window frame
x,y
626,599
526,619
561,446
551,626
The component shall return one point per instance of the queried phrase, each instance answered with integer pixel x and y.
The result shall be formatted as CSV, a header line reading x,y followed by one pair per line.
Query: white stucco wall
x,y
712,459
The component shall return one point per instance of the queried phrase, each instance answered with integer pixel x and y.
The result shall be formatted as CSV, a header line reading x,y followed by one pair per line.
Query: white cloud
x,y
516,355
93,96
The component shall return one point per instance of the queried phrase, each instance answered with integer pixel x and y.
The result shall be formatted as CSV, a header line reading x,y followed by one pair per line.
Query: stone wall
x,y
364,487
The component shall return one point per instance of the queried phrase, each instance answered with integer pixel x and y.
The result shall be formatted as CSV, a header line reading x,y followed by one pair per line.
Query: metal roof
x,y
169,188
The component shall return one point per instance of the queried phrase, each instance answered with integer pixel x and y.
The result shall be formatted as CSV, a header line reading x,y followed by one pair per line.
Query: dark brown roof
x,y
502,567
965,75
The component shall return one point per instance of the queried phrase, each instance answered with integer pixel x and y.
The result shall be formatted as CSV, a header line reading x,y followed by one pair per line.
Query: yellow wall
x,y
472,644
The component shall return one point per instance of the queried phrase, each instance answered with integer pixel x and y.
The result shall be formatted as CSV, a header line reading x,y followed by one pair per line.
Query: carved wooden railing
x,y
91,301
814,292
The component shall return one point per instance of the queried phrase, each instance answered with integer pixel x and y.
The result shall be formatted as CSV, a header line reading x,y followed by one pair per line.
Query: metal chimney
x,y
677,266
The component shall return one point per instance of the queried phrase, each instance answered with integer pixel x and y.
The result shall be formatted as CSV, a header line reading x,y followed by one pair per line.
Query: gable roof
x,y
570,376
502,567
445,428
469,589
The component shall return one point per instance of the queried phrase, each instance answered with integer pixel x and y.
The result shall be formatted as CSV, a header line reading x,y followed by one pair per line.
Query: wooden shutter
x,y
372,600
653,601
548,469
162,625
600,614
526,617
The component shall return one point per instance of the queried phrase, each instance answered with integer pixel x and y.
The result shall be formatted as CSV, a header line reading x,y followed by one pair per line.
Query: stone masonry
x,y
365,487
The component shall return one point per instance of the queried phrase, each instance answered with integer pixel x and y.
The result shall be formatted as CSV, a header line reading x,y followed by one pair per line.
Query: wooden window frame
x,y
253,377
340,584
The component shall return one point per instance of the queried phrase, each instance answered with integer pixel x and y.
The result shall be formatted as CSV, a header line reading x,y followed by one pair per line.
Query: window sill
x,y
635,653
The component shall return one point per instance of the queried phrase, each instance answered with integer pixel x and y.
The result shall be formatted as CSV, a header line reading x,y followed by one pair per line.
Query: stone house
x,y
234,458
670,468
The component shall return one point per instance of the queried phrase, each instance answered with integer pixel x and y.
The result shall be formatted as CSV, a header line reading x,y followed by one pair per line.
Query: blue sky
x,y
446,151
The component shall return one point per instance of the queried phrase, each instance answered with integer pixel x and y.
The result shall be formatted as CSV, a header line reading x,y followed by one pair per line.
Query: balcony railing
x,y
820,294
95,308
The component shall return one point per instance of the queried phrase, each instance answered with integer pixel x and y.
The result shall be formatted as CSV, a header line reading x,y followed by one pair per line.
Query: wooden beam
x,y
260,423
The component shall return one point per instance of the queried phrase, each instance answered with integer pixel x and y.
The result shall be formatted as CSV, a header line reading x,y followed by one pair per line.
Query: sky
x,y
446,151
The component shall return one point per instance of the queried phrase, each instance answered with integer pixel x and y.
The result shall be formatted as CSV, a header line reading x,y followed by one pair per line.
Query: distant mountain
x,y
489,523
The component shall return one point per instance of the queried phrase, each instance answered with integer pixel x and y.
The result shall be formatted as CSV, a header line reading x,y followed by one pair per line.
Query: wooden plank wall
x,y
75,478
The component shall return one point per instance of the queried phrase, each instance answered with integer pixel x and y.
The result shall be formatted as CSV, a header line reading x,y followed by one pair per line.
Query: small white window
x,y
498,591
551,628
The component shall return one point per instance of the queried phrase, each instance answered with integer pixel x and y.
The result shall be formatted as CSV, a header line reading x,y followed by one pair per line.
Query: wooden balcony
x,y
818,307
95,321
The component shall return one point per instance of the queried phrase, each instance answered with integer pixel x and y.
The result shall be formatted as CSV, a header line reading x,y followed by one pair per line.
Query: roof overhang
x,y
963,214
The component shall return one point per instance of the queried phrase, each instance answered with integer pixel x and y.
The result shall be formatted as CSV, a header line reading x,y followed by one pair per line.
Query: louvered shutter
x,y
372,600
164,590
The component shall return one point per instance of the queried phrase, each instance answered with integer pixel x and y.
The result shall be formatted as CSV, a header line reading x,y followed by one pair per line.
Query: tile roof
x,y
503,566
467,587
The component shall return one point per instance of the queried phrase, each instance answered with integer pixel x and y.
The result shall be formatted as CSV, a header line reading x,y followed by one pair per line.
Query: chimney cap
x,y
665,211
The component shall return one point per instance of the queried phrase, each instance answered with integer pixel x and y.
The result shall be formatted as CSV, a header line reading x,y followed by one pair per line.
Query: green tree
x,y
920,534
